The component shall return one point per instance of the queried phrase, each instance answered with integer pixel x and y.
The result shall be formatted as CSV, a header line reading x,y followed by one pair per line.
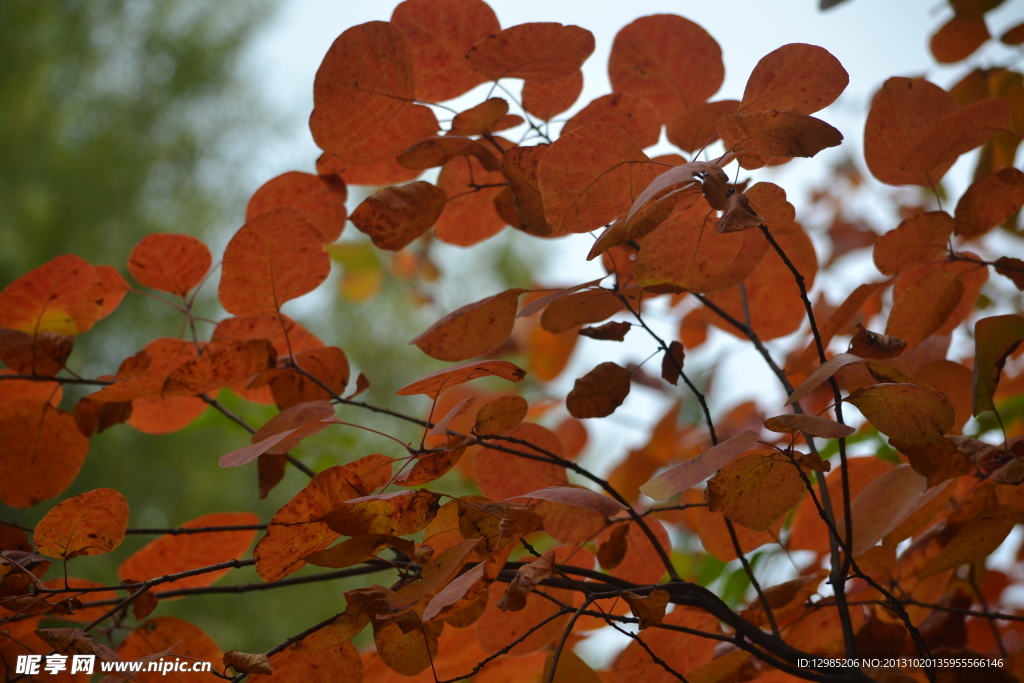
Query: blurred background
x,y
121,119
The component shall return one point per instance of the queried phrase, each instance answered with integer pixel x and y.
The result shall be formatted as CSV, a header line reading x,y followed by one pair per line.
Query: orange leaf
x,y
298,529
908,412
396,216
470,214
528,576
41,452
995,338
570,669
938,460
988,202
650,608
339,663
976,540
170,263
433,466
163,634
636,116
519,166
440,33
397,513
433,384
285,334
91,523
925,306
697,125
696,470
321,199
580,308
772,295
901,114
275,257
882,505
915,241
175,553
599,392
52,298
220,367
502,475
473,330
548,99
667,60
958,39
683,651
686,252
496,630
796,77
590,176
481,119
500,416
959,132
777,133
821,374
756,490
811,425
366,78
359,549
536,52
283,432
327,364
438,151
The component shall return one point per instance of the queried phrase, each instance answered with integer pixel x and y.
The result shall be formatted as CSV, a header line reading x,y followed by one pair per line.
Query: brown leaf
x,y
650,608
610,331
696,126
434,465
882,505
611,551
672,363
246,663
397,513
1012,268
868,344
821,374
599,392
519,166
396,216
528,576
89,524
738,215
481,119
473,330
579,308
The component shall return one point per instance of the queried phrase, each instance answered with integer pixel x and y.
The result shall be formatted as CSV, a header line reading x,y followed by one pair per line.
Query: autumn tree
x,y
486,547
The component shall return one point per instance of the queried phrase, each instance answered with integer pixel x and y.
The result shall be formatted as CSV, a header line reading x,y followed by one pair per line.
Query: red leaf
x,y
536,52
321,199
275,257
